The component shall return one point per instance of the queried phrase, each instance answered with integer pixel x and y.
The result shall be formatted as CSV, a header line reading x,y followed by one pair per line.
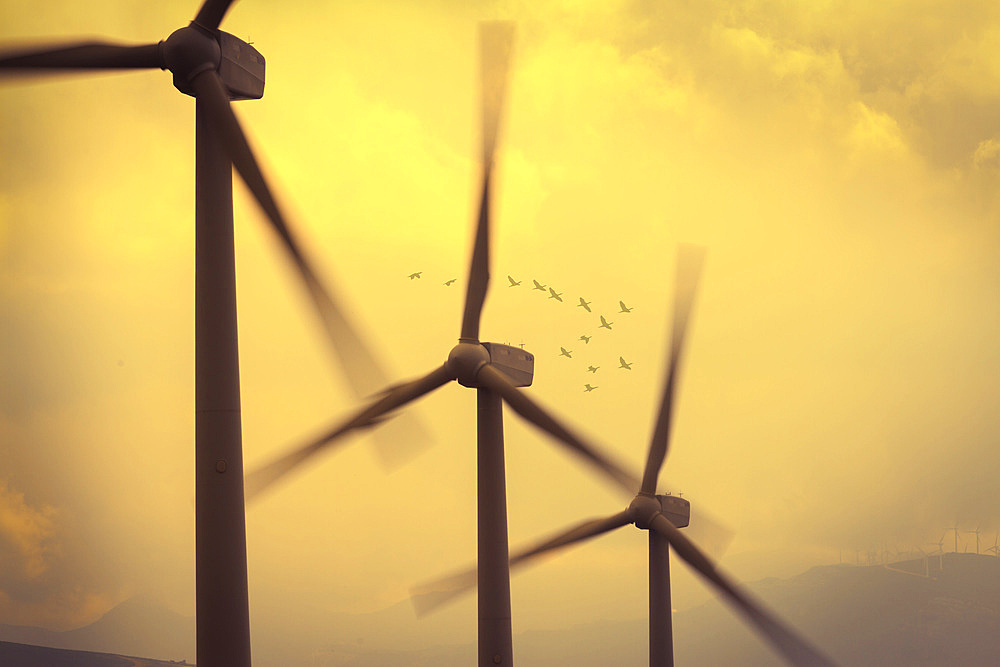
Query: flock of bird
x,y
563,352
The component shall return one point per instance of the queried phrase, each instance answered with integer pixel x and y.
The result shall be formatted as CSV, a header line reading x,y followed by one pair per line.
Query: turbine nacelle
x,y
644,508
467,358
515,362
677,509
192,50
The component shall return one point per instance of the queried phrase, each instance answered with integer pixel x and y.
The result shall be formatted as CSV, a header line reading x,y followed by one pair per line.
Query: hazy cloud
x,y
26,538
838,158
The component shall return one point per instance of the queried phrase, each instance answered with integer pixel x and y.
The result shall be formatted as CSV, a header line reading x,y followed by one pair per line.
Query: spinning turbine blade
x,y
495,46
794,648
83,56
529,410
689,262
211,13
428,597
259,480
709,533
496,39
359,364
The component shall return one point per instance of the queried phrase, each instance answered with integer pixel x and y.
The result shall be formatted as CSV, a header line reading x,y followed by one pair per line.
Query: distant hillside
x,y
21,655
137,626
942,611
871,615
859,616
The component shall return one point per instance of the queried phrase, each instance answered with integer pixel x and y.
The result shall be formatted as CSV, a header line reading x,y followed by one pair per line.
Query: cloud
x,y
27,538
987,154
47,575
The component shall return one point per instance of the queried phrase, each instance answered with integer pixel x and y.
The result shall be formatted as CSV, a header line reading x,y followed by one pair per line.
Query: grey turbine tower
x,y
494,370
661,516
216,67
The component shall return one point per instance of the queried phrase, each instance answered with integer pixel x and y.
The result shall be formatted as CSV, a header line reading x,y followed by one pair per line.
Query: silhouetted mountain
x,y
916,613
137,626
859,616
22,655
938,611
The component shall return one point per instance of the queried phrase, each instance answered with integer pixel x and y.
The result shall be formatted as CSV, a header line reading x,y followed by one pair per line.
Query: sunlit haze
x,y
839,161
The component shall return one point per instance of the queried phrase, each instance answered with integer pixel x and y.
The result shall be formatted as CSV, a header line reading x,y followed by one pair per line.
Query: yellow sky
x,y
839,161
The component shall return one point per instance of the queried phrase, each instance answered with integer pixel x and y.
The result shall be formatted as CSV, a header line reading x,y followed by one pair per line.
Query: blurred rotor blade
x,y
83,56
689,261
262,478
495,40
363,372
529,410
709,533
211,13
400,440
795,649
428,597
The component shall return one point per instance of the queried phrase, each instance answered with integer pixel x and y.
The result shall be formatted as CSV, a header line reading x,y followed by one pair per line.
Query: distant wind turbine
x,y
976,533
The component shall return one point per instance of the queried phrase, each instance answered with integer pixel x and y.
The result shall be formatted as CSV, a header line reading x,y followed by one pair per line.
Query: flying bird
x,y
415,275
513,283
585,304
592,369
605,324
538,285
626,365
554,295
448,283
625,309
565,353
588,388
585,338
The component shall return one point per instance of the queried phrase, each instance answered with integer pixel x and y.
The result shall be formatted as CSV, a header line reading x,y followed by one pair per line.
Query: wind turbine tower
x,y
976,533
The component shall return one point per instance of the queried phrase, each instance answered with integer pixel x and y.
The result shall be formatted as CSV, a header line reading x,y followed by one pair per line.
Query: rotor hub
x,y
465,360
642,510
187,53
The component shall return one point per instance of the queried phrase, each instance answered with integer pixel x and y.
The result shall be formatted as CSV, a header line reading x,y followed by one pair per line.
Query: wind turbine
x,y
940,550
976,532
495,370
661,516
215,68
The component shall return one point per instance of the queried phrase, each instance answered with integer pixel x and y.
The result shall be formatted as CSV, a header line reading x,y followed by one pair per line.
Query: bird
x,y
588,388
513,283
538,285
415,275
605,324
626,365
554,295
625,309
585,304
585,338
448,283
565,353
592,369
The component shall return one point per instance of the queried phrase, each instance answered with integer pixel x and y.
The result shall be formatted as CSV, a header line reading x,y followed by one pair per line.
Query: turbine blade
x,y
531,411
211,13
794,648
708,532
259,480
363,372
495,40
83,56
689,261
430,596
